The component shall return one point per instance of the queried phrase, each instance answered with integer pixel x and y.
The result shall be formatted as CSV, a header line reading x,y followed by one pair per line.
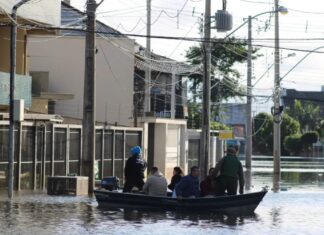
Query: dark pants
x,y
225,183
129,184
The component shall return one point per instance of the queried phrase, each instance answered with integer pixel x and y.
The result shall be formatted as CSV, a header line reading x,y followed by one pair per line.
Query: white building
x,y
57,64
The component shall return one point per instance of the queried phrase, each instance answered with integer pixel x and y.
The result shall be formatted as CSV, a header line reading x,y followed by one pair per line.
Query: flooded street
x,y
298,208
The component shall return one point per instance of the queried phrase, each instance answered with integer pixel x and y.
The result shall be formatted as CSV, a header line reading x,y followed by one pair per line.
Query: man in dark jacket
x,y
227,172
189,184
134,170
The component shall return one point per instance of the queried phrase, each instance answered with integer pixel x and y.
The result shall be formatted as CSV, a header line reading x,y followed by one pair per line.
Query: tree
x,y
320,129
219,126
307,114
224,78
293,144
194,119
307,139
289,127
262,134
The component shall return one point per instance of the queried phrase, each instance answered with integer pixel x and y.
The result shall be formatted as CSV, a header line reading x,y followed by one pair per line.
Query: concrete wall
x,y
5,51
47,12
63,58
39,105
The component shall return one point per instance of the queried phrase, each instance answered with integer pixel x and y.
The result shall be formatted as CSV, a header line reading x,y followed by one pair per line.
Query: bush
x,y
293,144
309,138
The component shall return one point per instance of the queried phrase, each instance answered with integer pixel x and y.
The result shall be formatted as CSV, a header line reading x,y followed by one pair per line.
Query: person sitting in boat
x,y
206,186
227,173
189,184
134,170
177,175
156,184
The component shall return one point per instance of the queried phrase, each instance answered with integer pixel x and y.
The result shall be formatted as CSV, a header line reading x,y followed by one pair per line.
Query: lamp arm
x,y
246,21
301,60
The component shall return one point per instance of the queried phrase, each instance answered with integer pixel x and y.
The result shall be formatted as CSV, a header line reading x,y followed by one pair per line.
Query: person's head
x,y
210,172
177,171
231,151
194,171
136,151
154,170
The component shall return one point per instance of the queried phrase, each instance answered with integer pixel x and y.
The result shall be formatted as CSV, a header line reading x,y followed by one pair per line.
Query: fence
x,y
47,149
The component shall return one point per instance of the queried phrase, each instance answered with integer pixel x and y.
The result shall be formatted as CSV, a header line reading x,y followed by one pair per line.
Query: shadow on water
x,y
155,216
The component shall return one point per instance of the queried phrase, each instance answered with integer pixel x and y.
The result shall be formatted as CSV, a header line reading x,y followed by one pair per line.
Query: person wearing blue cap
x,y
134,170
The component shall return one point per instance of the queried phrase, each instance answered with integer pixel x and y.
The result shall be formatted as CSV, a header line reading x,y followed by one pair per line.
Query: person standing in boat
x,y
156,184
189,184
134,170
228,172
177,175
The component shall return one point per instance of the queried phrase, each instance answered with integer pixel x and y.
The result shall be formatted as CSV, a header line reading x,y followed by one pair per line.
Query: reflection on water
x,y
297,208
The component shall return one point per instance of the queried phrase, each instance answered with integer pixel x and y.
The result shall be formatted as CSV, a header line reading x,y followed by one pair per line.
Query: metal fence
x,y
43,150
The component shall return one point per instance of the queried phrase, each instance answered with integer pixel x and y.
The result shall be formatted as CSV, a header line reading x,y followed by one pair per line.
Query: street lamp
x,y
277,9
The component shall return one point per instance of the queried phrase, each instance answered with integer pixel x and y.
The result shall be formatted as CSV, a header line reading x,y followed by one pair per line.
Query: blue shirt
x,y
188,186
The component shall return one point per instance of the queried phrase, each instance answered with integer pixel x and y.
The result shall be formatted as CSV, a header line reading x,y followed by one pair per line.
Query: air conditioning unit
x,y
224,21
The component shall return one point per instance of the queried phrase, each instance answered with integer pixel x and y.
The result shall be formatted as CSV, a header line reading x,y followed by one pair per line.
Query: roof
x,y
314,96
74,18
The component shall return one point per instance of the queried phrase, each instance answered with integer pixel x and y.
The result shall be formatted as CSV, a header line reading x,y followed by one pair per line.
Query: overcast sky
x,y
301,26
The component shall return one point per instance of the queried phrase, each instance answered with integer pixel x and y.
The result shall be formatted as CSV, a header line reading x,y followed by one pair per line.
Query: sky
x,y
302,29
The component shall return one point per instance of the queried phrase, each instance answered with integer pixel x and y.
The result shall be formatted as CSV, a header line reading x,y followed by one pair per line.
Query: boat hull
x,y
237,204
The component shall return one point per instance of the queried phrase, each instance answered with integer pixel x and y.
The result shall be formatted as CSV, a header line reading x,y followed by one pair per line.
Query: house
x,y
58,64
315,97
37,13
234,115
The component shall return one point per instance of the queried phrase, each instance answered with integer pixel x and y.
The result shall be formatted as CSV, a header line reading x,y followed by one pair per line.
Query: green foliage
x,y
263,137
320,129
194,119
263,132
289,126
225,83
307,114
219,126
308,139
293,144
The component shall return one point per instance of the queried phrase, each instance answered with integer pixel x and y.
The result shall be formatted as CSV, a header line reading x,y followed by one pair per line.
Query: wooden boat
x,y
237,204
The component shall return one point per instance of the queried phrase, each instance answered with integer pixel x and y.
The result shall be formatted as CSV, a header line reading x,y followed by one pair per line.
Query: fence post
x,y
53,146
67,150
102,151
19,155
44,158
35,156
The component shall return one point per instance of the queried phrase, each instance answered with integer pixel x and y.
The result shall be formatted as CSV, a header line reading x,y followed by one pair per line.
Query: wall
x,y
5,51
47,12
63,58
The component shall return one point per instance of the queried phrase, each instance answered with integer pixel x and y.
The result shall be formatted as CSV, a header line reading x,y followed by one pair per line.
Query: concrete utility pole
x,y
276,100
89,101
204,159
147,92
249,99
13,49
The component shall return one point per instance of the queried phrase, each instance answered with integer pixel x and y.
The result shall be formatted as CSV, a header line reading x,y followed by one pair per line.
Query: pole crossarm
x,y
301,60
247,20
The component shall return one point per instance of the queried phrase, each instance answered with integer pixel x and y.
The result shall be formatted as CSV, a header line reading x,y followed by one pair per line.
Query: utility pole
x,y
205,138
89,95
248,155
13,49
147,91
276,100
